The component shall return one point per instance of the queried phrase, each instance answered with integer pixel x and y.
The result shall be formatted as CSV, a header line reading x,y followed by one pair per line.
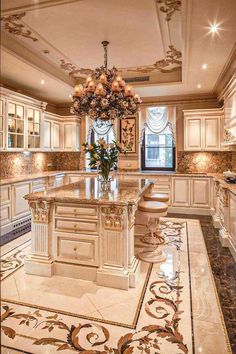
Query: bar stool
x,y
153,239
156,197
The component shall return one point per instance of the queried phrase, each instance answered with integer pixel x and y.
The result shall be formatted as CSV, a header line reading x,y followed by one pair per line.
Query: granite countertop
x,y
31,176
88,191
21,178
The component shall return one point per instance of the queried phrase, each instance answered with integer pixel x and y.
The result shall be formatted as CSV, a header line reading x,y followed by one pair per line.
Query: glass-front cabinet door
x,y
33,130
1,124
15,126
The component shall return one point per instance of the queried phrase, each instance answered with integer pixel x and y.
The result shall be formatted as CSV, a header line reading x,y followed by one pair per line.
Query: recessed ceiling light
x,y
204,66
214,27
199,86
42,82
70,95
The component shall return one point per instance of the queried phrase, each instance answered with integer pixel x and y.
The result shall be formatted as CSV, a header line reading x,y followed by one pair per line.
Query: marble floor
x,y
224,272
175,308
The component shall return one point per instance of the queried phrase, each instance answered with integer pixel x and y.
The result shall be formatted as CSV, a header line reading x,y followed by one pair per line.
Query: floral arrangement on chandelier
x,y
103,156
105,95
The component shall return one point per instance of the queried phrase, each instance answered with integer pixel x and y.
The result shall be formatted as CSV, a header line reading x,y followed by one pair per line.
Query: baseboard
x,y
189,210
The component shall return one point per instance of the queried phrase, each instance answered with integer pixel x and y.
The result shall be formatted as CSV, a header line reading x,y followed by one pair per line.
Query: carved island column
x,y
39,261
117,267
216,216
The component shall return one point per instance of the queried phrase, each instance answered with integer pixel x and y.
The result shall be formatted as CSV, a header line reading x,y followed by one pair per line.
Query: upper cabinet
x,y
202,130
229,96
25,125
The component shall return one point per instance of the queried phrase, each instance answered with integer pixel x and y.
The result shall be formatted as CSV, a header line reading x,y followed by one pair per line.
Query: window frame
x,y
145,168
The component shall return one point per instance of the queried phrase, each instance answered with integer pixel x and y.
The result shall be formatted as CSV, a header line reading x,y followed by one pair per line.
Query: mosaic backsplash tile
x,y
17,163
210,162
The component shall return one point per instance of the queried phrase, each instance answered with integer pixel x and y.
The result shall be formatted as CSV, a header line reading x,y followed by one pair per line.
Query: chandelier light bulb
x,y
91,86
99,89
115,86
103,79
89,78
119,79
79,90
129,90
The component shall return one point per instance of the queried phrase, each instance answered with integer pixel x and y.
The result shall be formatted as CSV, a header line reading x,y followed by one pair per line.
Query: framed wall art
x,y
128,134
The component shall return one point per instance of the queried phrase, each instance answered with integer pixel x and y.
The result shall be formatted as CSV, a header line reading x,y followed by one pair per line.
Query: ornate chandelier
x,y
105,95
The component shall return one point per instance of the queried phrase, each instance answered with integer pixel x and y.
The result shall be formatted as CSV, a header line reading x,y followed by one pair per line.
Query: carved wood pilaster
x,y
41,211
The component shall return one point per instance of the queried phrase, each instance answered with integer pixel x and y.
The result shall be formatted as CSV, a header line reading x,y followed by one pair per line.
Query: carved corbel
x,y
131,214
113,218
41,211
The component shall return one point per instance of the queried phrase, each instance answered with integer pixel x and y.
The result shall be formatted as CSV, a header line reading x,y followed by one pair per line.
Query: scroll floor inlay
x,y
166,313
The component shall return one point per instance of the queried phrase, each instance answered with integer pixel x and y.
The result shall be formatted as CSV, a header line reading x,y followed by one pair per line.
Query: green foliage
x,y
103,156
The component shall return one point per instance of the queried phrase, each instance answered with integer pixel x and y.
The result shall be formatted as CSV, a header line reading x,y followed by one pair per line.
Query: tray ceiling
x,y
158,44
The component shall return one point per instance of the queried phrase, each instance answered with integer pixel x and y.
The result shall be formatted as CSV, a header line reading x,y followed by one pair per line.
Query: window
x,y
158,148
94,136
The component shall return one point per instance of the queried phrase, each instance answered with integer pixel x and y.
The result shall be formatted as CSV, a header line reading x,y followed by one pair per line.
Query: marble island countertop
x,y
89,191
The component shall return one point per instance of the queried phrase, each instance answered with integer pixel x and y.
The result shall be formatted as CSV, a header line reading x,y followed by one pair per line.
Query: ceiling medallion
x,y
173,57
11,25
169,7
105,95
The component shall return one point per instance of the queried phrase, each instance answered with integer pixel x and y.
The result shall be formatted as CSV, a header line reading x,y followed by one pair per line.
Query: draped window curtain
x,y
99,130
160,120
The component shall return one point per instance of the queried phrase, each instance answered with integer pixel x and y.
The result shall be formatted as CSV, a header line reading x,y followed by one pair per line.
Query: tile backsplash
x,y
17,163
211,162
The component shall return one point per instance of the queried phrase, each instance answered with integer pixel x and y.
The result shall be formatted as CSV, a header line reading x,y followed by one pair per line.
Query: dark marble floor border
x,y
224,271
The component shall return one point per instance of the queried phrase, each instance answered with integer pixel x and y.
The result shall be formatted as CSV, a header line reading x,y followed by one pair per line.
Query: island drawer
x,y
76,225
83,211
81,249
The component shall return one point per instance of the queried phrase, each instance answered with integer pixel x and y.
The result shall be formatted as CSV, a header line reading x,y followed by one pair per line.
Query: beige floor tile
x,y
209,338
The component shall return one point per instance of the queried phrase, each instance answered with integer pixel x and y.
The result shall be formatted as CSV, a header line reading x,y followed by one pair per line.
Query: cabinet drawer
x,y
77,226
5,194
162,180
5,215
76,211
80,249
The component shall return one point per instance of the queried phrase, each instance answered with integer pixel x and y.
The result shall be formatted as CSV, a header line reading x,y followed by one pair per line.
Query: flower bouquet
x,y
103,156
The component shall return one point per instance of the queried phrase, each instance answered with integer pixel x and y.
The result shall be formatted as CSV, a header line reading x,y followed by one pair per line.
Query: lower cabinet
x,y
200,192
232,219
20,206
180,191
59,180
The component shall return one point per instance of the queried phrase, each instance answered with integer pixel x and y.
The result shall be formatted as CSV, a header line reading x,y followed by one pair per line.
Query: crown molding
x,y
226,74
180,99
32,5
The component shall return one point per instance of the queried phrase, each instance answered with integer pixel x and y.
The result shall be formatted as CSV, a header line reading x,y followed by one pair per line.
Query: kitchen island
x,y
79,231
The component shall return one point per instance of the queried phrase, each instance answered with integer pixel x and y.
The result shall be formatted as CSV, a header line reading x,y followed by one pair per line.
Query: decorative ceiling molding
x,y
169,7
173,57
12,25
73,70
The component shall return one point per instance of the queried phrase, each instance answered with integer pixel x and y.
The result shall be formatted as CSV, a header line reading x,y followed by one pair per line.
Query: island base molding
x,y
226,241
110,277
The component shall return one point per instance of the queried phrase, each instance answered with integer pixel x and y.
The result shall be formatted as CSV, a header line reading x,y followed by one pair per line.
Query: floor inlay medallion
x,y
163,321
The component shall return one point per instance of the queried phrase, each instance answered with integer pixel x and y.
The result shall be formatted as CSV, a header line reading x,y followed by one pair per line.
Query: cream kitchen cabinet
x,y
180,191
20,206
200,192
55,136
71,136
202,130
5,198
232,223
47,135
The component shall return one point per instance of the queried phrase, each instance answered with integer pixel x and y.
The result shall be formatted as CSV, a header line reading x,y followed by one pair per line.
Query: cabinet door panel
x,y
56,135
20,206
200,192
212,134
5,215
47,135
180,191
193,134
69,135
